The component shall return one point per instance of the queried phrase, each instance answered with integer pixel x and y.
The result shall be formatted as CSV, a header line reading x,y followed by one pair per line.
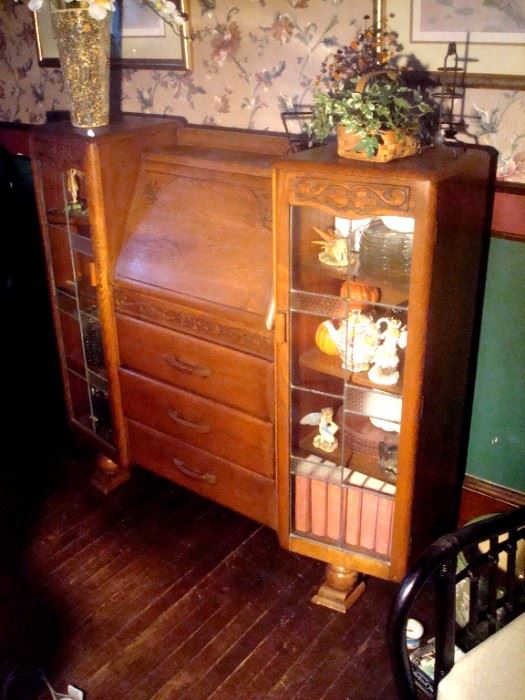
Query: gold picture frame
x,y
170,51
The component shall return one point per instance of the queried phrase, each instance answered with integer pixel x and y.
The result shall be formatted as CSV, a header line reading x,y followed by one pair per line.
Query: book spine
x,y
333,519
354,496
319,501
385,512
303,515
370,504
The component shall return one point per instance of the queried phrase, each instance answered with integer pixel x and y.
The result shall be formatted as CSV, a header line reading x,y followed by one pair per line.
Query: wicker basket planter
x,y
393,146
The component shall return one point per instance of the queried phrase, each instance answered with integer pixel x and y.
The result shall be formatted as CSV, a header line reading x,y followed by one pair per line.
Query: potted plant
x,y
363,99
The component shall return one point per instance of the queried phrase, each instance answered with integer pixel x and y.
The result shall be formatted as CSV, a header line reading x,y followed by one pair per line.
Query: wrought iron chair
x,y
470,584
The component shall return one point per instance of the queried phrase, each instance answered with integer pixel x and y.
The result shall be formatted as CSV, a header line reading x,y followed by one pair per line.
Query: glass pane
x,y
101,413
86,282
348,336
81,405
72,339
61,260
92,337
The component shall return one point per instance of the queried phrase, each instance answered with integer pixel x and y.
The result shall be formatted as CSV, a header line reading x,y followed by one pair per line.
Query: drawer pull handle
x,y
198,427
186,367
192,474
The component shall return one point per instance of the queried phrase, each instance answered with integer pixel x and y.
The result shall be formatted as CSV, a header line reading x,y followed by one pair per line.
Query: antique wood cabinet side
x,y
83,187
416,234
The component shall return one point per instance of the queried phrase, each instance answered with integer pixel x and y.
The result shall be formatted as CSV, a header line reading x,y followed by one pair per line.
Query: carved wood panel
x,y
359,198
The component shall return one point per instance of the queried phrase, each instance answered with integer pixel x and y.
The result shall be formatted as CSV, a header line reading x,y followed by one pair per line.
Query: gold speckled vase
x,y
83,48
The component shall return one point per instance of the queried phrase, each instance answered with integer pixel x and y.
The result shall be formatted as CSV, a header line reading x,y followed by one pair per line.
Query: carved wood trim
x,y
194,323
363,198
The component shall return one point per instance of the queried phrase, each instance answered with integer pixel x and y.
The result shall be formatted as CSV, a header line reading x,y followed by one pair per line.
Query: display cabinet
x,y
379,269
82,194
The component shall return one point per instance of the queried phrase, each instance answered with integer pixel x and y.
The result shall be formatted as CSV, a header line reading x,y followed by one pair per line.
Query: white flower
x,y
35,5
98,9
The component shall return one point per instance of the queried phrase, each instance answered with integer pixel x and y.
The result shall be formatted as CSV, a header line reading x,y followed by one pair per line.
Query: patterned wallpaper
x,y
252,59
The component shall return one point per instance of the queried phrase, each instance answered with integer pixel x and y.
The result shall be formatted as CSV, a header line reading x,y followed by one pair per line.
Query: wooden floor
x,y
154,593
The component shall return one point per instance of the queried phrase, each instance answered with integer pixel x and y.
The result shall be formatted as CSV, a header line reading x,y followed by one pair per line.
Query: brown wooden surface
x,y
231,485
129,596
201,232
210,370
209,425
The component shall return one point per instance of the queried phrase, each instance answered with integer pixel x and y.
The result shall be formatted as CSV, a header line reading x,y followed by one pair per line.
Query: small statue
x,y
72,188
335,248
325,440
386,359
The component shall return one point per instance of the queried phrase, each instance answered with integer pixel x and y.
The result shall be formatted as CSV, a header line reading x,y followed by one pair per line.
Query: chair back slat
x,y
444,625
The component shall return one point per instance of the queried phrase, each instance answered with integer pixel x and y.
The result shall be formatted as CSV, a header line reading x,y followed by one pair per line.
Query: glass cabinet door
x,y
75,282
348,332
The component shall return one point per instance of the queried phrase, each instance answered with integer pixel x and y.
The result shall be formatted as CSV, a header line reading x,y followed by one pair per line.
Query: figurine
x,y
386,359
72,188
325,440
335,248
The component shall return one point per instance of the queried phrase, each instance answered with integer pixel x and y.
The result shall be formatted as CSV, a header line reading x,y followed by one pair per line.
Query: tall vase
x,y
83,48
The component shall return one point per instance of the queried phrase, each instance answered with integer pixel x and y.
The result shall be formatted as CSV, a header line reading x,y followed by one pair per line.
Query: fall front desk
x,y
288,335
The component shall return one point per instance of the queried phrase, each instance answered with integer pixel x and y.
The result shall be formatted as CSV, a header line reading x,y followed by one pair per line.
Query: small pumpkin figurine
x,y
359,294
324,338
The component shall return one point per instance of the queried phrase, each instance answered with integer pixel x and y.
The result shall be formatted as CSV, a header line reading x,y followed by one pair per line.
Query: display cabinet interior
x,y
378,273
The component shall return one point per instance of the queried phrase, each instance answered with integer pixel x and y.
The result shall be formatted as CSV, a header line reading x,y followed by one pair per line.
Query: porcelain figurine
x,y
391,336
325,440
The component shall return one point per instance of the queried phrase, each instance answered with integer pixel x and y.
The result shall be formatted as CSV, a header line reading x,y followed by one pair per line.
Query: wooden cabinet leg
x,y
341,588
108,474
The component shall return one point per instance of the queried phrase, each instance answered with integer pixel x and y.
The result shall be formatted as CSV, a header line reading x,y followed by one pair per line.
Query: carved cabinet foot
x,y
108,474
341,588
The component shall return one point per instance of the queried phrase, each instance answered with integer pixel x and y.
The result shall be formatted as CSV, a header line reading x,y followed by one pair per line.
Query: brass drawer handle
x,y
192,474
198,427
186,367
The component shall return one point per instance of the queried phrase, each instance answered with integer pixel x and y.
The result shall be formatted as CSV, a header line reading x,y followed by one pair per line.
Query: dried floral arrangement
x,y
384,104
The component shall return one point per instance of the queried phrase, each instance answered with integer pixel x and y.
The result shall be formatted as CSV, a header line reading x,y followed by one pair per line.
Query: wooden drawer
x,y
214,478
239,380
223,431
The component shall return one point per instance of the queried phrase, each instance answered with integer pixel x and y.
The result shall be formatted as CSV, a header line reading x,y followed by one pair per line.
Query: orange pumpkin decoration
x,y
359,294
324,339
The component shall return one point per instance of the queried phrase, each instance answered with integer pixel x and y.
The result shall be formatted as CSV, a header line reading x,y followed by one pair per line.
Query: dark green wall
x,y
497,436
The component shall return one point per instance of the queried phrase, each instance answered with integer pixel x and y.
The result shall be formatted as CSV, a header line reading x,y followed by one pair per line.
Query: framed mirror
x,y
145,40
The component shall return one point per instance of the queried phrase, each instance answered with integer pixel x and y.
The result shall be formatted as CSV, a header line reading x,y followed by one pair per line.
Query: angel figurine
x,y
325,440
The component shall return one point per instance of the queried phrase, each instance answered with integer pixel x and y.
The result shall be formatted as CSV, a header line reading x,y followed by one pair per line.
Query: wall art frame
x,y
475,21
168,50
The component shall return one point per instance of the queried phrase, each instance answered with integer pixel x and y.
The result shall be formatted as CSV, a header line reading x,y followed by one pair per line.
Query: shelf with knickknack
x,y
82,202
375,279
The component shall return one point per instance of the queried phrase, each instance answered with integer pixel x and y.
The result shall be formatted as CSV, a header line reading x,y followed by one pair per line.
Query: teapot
x,y
356,340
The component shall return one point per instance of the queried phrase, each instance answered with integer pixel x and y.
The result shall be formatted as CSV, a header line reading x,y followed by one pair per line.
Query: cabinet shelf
x,y
346,457
331,364
71,219
394,291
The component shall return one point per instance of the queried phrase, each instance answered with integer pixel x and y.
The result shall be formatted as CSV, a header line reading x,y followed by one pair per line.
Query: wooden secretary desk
x,y
190,296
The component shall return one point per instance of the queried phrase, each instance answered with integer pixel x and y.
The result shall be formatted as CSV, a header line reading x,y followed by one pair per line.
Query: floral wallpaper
x,y
252,59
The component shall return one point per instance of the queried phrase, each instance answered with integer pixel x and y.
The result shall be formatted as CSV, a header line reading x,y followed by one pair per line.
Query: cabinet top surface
x,y
126,124
432,164
215,159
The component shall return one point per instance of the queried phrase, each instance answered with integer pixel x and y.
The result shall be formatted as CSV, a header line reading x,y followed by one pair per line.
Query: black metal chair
x,y
469,584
